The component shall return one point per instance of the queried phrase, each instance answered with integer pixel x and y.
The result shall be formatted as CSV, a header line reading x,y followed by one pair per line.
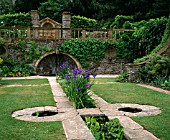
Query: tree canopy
x,y
96,9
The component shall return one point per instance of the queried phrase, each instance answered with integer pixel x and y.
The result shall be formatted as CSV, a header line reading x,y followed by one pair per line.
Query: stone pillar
x,y
35,22
66,21
133,72
35,18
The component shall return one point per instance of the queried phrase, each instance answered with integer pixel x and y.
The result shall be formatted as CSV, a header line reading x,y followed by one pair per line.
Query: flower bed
x,y
76,84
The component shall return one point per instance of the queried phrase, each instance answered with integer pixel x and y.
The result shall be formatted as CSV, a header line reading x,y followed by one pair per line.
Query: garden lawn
x,y
24,82
159,125
104,80
17,98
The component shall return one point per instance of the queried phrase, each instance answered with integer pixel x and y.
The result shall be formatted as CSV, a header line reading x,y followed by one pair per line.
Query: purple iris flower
x,y
74,76
88,85
77,89
79,72
68,83
94,75
87,71
67,76
76,82
86,76
74,71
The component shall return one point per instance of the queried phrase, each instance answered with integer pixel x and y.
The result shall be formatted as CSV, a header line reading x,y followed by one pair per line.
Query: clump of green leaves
x,y
104,129
14,69
156,71
123,77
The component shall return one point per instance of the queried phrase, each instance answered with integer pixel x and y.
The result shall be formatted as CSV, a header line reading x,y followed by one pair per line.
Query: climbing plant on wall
x,y
162,37
28,52
86,51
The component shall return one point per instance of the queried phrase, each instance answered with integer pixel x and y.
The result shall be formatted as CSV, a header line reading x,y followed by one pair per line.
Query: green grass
x,y
104,80
16,98
24,82
159,125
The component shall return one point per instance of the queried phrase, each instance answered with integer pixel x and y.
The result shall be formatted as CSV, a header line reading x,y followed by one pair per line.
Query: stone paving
x,y
76,129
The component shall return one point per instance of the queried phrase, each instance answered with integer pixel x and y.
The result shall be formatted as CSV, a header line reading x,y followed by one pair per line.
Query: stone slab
x,y
90,112
66,104
139,135
127,123
76,129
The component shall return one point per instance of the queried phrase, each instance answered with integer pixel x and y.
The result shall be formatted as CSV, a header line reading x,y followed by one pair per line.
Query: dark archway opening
x,y
49,65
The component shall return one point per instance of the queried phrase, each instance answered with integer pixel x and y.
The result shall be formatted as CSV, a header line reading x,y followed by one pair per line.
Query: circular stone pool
x,y
42,114
126,109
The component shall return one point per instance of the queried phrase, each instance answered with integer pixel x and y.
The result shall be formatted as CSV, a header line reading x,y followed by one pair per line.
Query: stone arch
x,y
48,63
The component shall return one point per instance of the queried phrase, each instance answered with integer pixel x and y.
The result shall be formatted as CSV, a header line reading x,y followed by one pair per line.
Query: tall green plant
x,y
76,88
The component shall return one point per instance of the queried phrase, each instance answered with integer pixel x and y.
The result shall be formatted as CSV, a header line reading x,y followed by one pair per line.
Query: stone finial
x,y
35,18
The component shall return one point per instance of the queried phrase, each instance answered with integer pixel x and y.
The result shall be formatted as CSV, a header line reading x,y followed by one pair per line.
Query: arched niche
x,y
49,63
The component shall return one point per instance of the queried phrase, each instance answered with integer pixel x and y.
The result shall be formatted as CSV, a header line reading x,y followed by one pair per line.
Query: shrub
x,y
123,77
120,20
14,69
83,22
133,45
18,19
156,70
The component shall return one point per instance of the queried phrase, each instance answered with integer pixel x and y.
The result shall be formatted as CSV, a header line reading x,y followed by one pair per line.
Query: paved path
x,y
155,88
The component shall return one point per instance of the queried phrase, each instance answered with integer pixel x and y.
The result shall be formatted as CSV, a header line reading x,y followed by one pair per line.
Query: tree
x,y
27,5
6,7
51,9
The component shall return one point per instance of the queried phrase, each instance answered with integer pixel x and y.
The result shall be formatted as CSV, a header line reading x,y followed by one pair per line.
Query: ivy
x,y
29,51
86,51
161,42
